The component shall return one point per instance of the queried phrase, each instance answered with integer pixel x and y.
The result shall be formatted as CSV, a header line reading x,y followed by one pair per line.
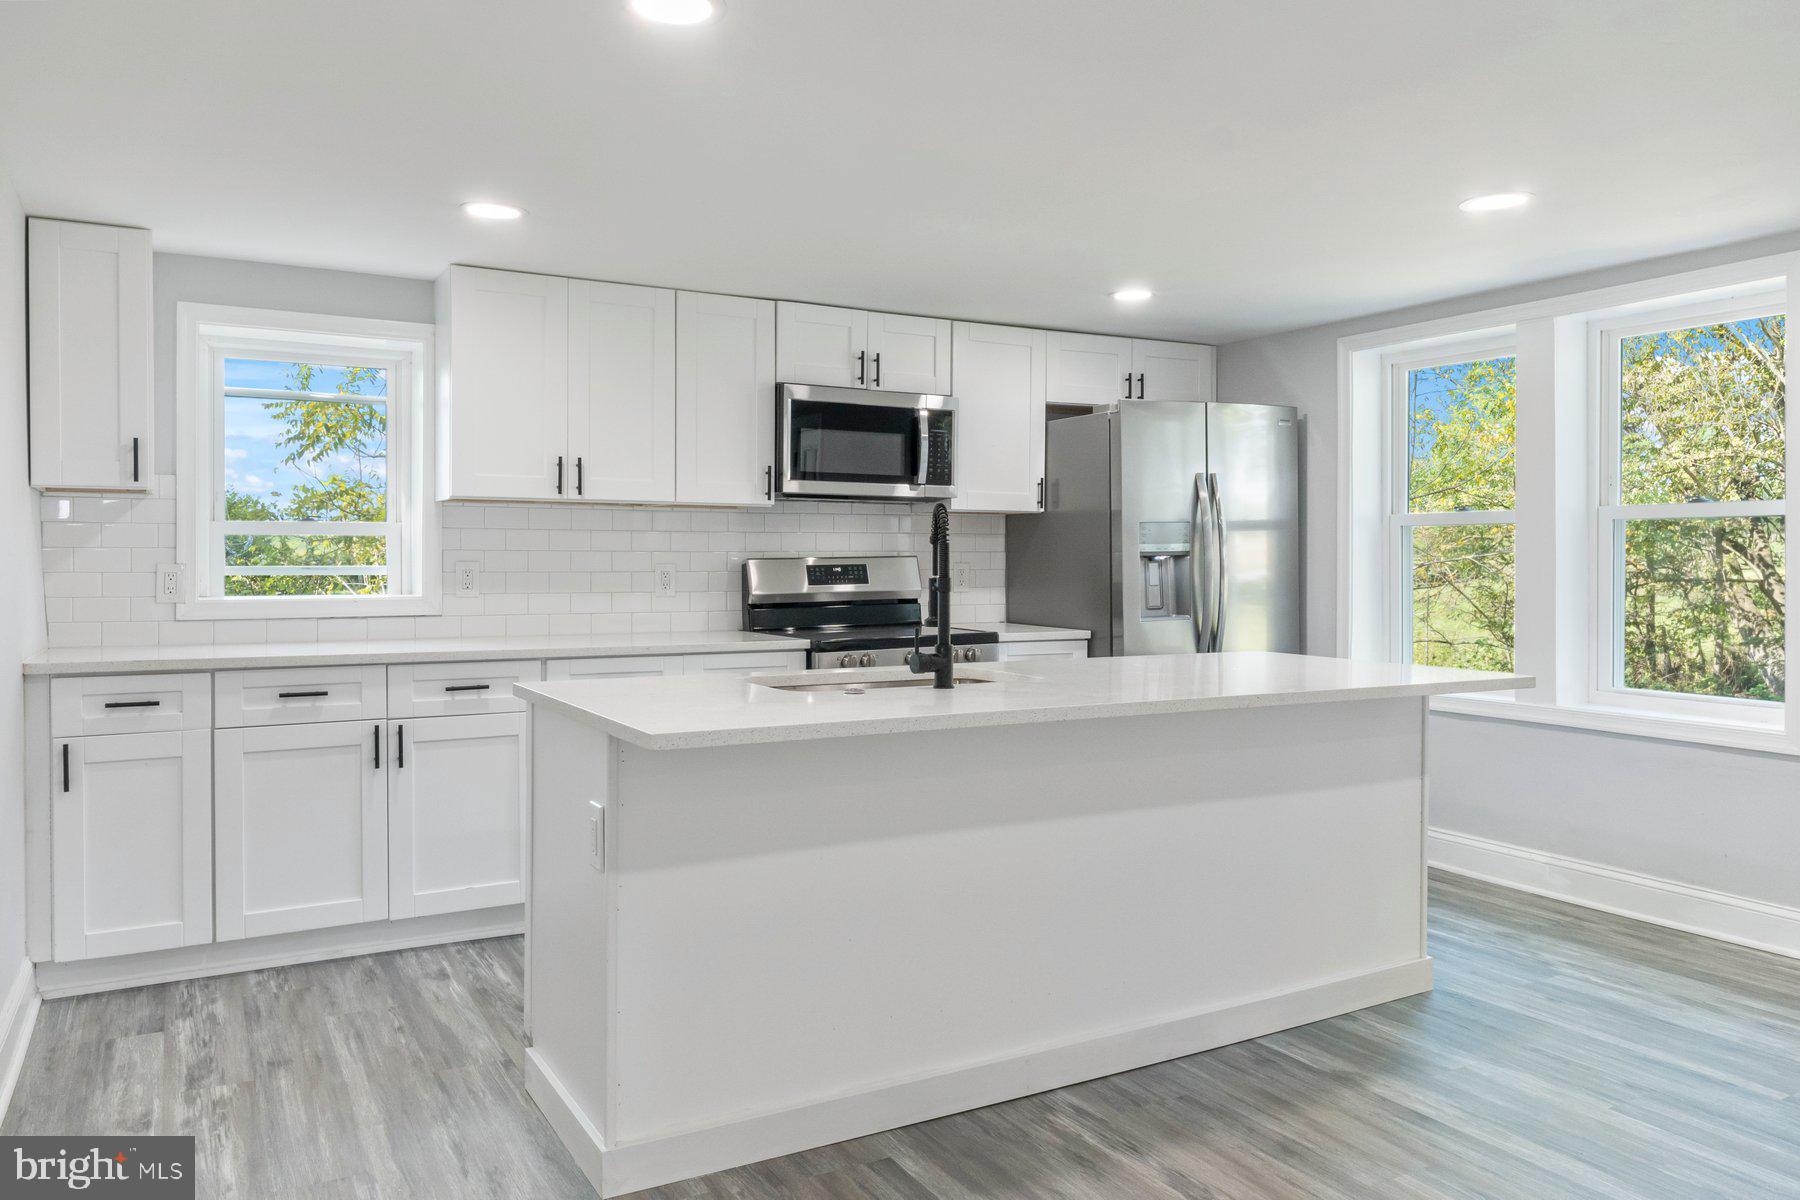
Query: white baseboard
x,y
277,950
1721,915
617,1170
18,1013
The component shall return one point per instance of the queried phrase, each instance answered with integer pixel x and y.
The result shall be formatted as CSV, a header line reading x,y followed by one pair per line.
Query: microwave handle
x,y
924,446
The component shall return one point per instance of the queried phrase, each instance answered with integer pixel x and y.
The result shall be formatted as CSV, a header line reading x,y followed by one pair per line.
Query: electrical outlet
x,y
961,578
665,581
168,583
467,574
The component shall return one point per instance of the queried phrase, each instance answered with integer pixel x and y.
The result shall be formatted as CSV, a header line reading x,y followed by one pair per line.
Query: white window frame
x,y
205,336
1401,521
1607,619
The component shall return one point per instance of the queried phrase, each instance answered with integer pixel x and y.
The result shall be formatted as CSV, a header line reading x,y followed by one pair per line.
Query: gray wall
x,y
1713,818
21,601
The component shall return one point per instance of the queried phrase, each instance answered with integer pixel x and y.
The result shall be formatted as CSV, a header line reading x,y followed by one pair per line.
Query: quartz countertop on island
x,y
682,713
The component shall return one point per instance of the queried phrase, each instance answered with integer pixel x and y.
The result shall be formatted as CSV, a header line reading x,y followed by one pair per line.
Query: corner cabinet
x,y
88,312
848,347
1000,380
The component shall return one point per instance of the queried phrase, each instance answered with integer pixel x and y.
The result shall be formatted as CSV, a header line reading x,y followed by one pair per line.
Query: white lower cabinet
x,y
456,813
744,664
1013,651
621,667
132,859
301,823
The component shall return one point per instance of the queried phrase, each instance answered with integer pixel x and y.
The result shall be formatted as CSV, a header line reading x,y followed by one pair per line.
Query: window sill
x,y
1599,719
275,608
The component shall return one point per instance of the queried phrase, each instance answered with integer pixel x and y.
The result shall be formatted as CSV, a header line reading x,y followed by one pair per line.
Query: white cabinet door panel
x,y
724,399
621,393
1000,388
132,844
456,814
1173,371
624,667
745,663
88,308
817,344
503,399
1088,370
909,354
300,821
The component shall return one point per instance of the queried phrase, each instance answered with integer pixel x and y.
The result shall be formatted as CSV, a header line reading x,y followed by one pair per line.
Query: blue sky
x,y
252,458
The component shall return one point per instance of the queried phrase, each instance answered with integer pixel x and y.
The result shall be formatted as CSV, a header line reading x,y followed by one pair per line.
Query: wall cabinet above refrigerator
x,y
1089,371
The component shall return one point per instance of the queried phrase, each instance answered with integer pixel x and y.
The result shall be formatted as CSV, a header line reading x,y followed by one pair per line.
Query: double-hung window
x,y
1690,541
1450,537
303,463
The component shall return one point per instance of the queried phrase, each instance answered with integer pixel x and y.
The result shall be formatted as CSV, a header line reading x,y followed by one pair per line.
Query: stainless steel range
x,y
855,611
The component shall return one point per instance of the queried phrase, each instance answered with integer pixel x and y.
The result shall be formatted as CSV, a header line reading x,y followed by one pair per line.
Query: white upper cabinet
x,y
1172,371
621,442
909,354
847,347
724,399
1089,370
1000,388
503,394
816,344
88,308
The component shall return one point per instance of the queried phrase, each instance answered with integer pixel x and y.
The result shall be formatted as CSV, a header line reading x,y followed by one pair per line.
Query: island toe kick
x,y
737,952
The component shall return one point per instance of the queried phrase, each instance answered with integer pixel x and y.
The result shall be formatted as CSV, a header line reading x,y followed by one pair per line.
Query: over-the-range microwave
x,y
862,444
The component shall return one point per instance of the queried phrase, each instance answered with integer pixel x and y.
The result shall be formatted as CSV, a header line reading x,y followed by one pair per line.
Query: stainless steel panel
x,y
783,580
1161,449
1254,451
1059,563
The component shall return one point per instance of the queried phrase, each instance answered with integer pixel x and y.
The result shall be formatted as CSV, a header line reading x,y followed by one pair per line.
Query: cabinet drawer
x,y
300,695
623,667
129,704
746,663
1013,651
452,689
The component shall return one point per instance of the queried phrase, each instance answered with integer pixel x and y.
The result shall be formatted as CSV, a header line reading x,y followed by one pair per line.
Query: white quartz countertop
x,y
696,711
109,660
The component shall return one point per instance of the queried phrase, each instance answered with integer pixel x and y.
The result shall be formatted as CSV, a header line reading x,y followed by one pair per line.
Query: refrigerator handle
x,y
1224,588
1201,594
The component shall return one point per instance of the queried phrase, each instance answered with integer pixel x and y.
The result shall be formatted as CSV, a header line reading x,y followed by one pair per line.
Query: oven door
x,y
873,445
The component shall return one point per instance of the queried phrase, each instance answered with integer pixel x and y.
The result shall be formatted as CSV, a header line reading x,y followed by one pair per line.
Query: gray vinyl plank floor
x,y
1564,1053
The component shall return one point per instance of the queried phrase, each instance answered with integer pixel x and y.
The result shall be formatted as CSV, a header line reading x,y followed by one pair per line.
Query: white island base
x,y
767,946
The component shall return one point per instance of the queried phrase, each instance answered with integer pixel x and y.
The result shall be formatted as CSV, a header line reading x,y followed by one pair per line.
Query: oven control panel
x,y
836,574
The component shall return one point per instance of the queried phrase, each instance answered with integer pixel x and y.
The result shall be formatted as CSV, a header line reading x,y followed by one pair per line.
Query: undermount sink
x,y
855,687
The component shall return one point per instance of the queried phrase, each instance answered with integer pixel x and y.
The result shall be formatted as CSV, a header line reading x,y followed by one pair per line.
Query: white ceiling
x,y
1263,164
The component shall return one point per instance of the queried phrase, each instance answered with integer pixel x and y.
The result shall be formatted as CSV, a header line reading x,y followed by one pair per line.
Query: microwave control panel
x,y
937,453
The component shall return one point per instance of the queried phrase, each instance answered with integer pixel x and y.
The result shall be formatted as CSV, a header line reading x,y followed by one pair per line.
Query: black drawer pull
x,y
65,766
378,747
468,687
134,704
400,746
299,695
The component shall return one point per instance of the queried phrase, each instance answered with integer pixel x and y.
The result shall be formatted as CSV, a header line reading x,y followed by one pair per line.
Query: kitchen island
x,y
774,912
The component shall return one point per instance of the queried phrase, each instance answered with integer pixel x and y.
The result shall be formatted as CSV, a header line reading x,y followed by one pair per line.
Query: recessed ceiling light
x,y
1132,295
488,211
676,12
1495,202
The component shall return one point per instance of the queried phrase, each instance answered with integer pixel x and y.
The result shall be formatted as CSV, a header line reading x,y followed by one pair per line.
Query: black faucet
x,y
941,662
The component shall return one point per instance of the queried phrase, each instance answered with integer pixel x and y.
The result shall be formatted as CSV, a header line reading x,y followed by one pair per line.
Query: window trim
x,y
205,335
1396,476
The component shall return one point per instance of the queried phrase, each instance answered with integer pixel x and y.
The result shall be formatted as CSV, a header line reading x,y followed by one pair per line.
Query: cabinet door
x,y
503,399
88,306
456,814
816,344
1090,370
724,399
909,354
624,667
1172,371
300,814
131,853
999,418
621,393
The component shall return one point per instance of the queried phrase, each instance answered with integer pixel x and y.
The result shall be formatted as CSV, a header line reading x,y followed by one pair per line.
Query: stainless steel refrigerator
x,y
1167,528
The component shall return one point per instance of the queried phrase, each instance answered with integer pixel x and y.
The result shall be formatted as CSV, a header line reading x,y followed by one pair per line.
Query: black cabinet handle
x,y
1140,385
1128,385
877,380
400,746
378,747
1040,491
578,483
134,703
559,459
299,695
468,687
768,483
65,766
862,370
134,460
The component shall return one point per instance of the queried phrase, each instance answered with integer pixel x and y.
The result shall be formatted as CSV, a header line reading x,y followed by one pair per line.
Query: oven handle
x,y
924,446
